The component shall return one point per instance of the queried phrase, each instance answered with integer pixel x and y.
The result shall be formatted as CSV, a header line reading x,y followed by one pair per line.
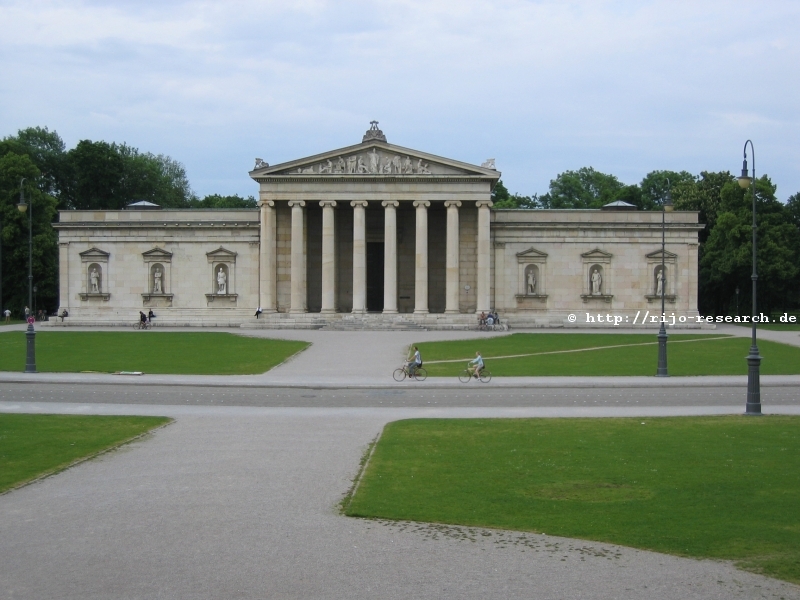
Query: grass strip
x,y
705,487
555,354
190,353
34,446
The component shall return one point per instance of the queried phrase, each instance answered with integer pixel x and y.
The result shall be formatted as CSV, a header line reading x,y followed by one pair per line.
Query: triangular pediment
x,y
596,254
95,253
374,159
221,253
532,253
157,253
657,255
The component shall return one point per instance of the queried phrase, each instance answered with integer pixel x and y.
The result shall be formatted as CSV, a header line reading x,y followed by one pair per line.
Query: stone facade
x,y
373,235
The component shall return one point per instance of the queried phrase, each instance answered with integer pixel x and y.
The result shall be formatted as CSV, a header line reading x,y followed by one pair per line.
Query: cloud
x,y
626,87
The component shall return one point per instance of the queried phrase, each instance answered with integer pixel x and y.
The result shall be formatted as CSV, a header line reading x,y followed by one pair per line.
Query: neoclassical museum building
x,y
374,235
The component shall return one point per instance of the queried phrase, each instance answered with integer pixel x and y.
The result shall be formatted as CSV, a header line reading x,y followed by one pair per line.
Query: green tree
x,y
502,198
46,150
14,236
702,195
584,188
726,262
655,184
217,201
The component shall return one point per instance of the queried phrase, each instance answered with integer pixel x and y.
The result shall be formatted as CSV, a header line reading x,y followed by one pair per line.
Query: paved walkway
x,y
240,502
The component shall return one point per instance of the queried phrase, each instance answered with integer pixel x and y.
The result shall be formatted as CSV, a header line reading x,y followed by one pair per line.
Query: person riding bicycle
x,y
142,317
414,362
475,366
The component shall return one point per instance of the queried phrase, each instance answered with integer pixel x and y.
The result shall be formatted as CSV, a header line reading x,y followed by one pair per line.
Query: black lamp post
x,y
30,334
753,406
661,370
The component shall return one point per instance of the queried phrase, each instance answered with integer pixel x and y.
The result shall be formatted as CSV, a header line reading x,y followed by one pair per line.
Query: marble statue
x,y
597,282
260,164
94,278
422,168
361,167
326,168
351,164
157,282
489,164
387,166
408,168
397,166
339,168
374,161
659,282
531,282
221,281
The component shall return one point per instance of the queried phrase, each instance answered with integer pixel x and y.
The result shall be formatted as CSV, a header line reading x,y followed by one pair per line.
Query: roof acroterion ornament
x,y
373,133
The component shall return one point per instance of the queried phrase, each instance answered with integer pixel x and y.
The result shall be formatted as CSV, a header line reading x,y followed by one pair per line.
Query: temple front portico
x,y
372,235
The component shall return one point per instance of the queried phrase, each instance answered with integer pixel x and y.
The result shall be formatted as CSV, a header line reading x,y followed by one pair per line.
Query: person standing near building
x,y
7,314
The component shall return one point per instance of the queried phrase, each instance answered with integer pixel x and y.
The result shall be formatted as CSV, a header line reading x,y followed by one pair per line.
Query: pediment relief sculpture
x,y
372,162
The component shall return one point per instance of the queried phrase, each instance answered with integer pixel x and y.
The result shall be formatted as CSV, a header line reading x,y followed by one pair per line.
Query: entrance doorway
x,y
374,276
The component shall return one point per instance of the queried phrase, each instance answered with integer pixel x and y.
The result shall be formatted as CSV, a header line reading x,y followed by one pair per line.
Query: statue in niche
x,y
660,282
361,167
351,164
374,161
422,168
326,168
339,168
597,282
408,168
397,167
157,289
94,280
531,282
222,280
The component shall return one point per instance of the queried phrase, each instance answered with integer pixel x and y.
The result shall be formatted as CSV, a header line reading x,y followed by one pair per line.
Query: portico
x,y
375,228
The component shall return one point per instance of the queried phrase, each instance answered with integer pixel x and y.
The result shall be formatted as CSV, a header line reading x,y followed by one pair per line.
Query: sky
x,y
542,87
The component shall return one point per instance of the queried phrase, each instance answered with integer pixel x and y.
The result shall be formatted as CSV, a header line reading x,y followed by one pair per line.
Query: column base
x,y
421,312
453,312
328,311
389,312
299,311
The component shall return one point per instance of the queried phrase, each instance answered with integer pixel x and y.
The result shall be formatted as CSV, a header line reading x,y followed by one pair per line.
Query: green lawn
x,y
192,353
724,356
11,322
36,445
717,487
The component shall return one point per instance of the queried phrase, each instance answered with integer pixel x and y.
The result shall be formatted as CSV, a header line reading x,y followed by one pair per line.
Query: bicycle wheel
x,y
135,325
464,376
486,376
399,374
420,374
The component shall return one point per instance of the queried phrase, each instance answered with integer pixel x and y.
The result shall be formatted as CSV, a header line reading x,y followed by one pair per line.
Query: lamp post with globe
x,y
30,334
753,406
661,369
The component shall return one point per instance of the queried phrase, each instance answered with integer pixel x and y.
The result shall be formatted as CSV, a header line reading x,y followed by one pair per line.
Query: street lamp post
x,y
30,334
753,406
661,370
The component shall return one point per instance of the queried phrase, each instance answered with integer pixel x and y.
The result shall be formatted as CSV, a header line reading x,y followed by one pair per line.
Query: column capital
x,y
300,203
359,203
326,203
388,203
482,203
266,203
421,204
452,204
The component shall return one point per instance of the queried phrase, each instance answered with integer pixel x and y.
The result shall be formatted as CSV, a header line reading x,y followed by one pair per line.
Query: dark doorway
x,y
374,276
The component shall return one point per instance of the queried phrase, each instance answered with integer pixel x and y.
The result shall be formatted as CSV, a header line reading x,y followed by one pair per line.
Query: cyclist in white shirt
x,y
415,362
475,366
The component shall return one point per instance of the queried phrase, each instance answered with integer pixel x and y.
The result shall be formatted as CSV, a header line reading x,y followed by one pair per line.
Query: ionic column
x,y
328,257
298,269
390,256
451,264
484,253
359,256
421,259
266,263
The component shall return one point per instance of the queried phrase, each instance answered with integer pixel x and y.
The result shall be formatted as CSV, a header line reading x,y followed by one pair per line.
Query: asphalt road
x,y
406,395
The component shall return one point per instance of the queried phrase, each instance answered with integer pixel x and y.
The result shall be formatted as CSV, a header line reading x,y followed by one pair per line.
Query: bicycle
x,y
142,325
400,374
467,374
